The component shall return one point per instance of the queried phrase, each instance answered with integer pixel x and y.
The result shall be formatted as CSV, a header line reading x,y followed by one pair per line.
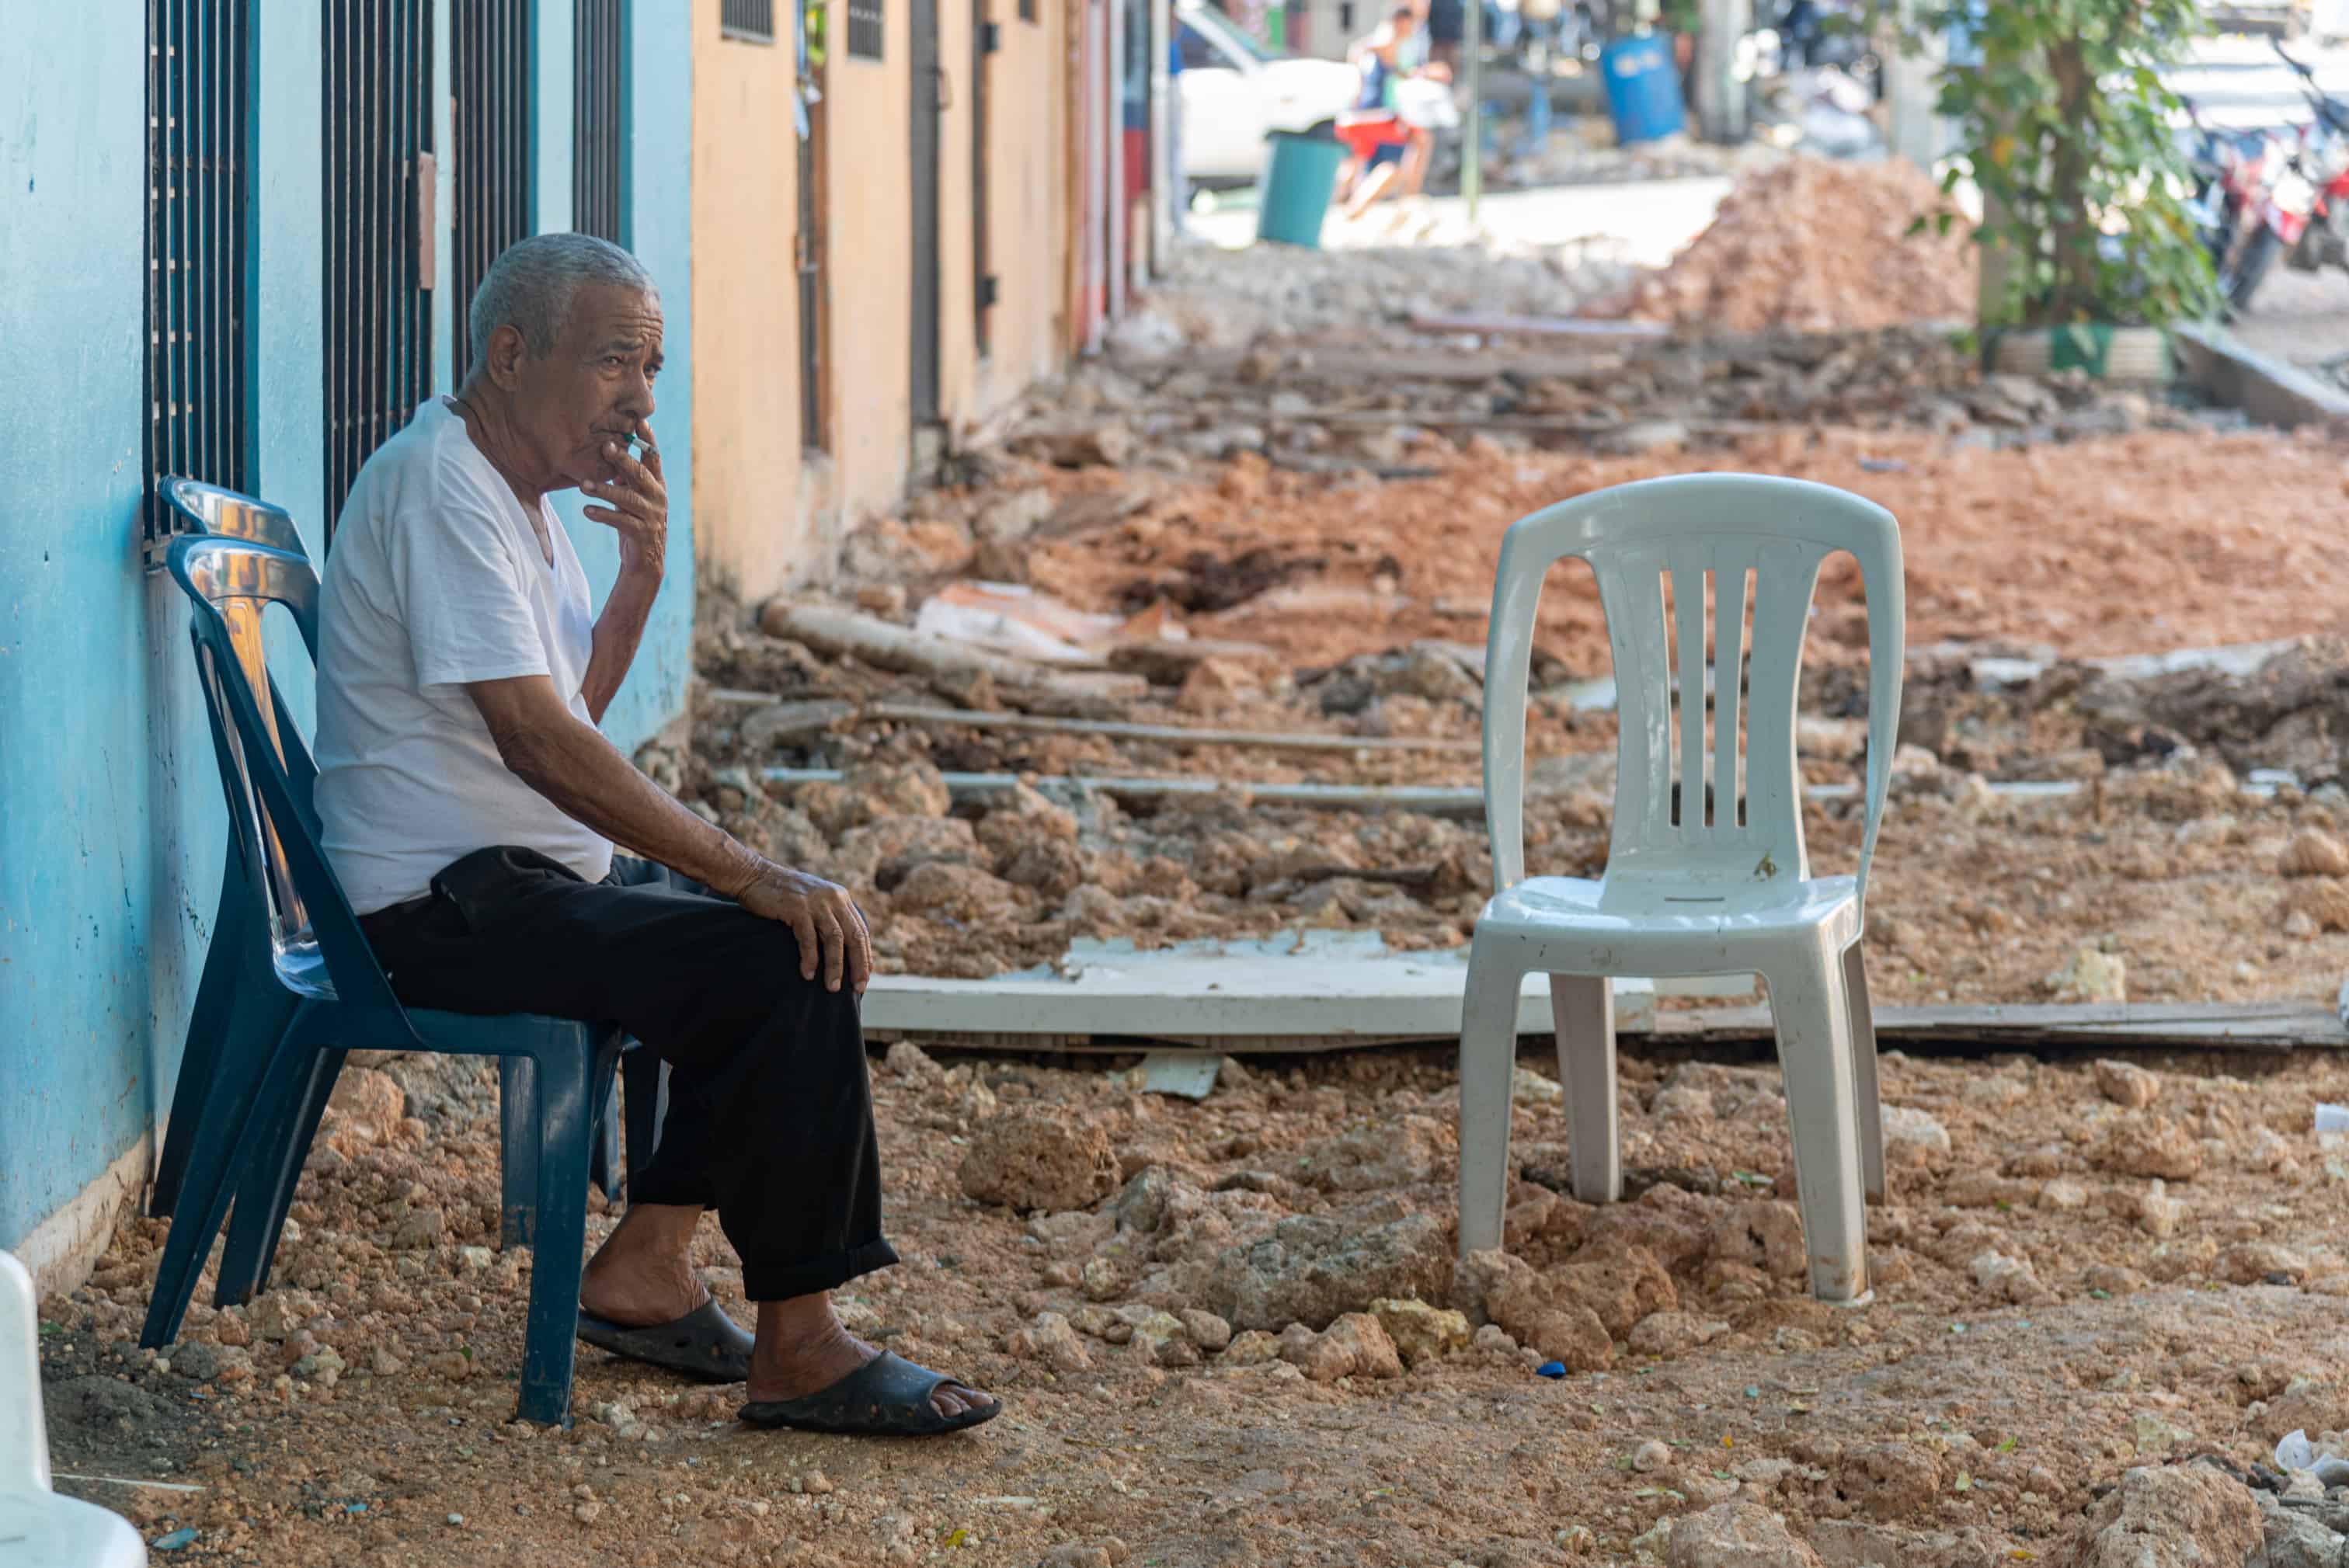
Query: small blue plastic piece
x,y
1551,1370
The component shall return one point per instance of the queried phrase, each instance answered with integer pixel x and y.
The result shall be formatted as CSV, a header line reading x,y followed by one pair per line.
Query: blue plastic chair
x,y
341,1000
234,1001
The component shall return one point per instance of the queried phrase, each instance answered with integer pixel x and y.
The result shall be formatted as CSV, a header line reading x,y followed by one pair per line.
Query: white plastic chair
x,y
38,1528
1689,890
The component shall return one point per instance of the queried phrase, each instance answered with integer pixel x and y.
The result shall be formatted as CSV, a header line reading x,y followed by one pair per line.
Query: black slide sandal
x,y
705,1344
888,1397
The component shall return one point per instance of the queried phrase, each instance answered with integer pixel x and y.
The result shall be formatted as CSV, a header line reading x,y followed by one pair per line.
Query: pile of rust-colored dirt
x,y
1813,245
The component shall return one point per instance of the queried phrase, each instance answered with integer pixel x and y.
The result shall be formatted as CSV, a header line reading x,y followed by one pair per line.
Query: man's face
x,y
594,388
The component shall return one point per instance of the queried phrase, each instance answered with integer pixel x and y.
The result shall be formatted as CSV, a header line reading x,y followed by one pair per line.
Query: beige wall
x,y
1027,125
870,266
749,534
768,515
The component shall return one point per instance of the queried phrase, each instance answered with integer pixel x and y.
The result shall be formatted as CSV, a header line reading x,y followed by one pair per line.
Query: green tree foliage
x,y
2066,130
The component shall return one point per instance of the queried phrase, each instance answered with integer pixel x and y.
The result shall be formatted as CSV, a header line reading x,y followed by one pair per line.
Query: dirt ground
x,y
1234,1332
2047,1317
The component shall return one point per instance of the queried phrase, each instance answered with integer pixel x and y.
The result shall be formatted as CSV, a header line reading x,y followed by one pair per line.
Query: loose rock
x,y
1039,1158
2092,976
2137,1145
2126,1084
1912,1138
1208,1332
2313,853
1736,1535
1667,1334
1313,1269
1420,1332
2183,1516
1053,1341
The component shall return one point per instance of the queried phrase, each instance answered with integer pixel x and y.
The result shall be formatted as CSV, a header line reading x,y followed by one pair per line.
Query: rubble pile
x,y
1812,244
1021,626
1224,299
1583,151
1243,1319
1394,406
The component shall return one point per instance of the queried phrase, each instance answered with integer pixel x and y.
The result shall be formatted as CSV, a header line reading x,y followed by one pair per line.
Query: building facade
x,y
906,212
234,245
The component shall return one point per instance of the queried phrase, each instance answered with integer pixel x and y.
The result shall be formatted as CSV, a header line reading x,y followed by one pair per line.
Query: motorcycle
x,y
2300,195
2324,240
2281,198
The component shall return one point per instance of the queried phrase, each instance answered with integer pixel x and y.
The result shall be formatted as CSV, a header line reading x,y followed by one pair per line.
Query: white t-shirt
x,y
436,579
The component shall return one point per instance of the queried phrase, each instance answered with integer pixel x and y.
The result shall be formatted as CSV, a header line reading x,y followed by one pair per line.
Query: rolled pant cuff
x,y
659,1187
784,1282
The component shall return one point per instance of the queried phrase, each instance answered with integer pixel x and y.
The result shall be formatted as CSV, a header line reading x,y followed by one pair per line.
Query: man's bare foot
x,y
643,1275
803,1349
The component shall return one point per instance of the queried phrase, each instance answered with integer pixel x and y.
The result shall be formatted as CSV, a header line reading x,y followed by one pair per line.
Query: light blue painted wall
x,y
111,834
91,933
658,217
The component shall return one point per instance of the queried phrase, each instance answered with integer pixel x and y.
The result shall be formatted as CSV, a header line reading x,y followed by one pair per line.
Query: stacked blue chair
x,y
260,1099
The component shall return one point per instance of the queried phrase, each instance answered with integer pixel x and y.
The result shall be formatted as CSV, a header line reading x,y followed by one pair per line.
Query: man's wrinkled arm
x,y
544,744
619,631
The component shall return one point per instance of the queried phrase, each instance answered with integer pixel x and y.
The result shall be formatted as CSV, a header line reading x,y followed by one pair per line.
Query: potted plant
x,y
2065,129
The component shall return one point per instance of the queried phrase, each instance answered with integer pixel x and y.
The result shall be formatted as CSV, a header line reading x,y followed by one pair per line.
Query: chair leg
x,y
603,1140
1811,1012
274,1170
1866,1099
253,1093
1583,1009
565,1083
208,1026
518,1152
646,1081
1488,1058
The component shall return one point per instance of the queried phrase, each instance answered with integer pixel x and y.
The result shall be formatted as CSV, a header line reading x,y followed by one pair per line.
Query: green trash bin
x,y
1300,174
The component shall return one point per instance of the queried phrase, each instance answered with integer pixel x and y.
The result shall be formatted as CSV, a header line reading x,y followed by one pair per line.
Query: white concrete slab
x,y
1304,985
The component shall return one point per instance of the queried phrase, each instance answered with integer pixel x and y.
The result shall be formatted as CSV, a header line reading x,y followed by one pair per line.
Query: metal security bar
x,y
197,103
985,37
377,198
490,46
867,28
595,119
751,21
815,113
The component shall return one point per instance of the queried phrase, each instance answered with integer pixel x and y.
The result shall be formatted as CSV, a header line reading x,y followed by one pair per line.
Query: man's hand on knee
x,y
829,925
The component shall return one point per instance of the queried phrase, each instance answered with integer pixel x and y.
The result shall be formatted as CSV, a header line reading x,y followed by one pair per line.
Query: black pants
x,y
769,1113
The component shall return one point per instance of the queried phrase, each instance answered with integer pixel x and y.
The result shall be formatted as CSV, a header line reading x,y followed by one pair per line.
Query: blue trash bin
x,y
1300,175
1644,87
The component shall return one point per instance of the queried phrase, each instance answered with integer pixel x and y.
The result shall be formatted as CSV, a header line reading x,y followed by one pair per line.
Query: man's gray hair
x,y
530,286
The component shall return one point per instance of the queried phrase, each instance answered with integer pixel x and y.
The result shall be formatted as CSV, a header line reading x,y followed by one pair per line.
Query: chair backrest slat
x,y
266,764
1720,801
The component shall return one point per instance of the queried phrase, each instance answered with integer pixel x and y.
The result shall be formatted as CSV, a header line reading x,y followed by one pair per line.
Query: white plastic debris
x,y
2332,1118
2295,1455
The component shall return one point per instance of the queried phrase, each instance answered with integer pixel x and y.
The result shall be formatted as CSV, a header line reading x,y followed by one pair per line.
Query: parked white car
x,y
1234,91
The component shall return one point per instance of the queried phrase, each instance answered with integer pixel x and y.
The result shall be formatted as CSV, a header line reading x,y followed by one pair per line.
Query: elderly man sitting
x,y
470,807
